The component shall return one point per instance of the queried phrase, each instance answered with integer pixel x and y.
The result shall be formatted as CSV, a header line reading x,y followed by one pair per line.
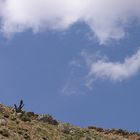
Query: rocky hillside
x,y
20,125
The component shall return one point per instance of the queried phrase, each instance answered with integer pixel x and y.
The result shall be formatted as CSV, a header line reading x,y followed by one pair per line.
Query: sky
x,y
78,60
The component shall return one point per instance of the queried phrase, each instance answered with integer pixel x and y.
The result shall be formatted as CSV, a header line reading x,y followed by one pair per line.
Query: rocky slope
x,y
29,126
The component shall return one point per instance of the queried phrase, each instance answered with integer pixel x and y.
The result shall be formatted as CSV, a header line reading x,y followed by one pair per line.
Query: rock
x,y
88,138
44,138
25,118
6,115
2,109
3,122
27,137
19,114
13,118
65,128
4,132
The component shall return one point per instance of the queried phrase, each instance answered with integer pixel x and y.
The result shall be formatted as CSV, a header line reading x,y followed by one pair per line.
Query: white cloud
x,y
115,71
106,18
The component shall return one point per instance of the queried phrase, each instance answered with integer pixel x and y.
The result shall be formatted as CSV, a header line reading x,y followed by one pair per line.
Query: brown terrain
x,y
16,124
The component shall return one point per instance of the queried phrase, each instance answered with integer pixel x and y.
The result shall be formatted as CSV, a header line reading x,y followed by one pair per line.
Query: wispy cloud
x,y
106,18
115,71
75,82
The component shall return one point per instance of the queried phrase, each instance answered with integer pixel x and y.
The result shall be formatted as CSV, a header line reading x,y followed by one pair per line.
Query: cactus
x,y
18,109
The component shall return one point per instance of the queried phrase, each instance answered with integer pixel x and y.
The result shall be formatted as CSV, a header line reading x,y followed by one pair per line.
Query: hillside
x,y
21,125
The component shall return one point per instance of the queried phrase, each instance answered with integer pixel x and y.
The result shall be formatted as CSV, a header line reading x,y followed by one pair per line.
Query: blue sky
x,y
73,63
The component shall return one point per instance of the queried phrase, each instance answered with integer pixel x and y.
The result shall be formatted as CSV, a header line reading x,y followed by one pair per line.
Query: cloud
x,y
75,82
115,71
106,18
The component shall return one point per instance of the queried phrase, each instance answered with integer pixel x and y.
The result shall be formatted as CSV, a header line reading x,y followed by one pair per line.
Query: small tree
x,y
19,108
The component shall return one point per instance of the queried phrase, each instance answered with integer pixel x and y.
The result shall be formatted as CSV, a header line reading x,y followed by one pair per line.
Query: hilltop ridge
x,y
30,126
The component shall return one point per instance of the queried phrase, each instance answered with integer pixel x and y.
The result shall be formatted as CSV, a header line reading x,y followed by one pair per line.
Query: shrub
x,y
48,118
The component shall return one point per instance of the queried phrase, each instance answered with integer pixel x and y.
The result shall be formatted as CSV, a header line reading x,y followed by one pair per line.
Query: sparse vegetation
x,y
16,124
47,118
